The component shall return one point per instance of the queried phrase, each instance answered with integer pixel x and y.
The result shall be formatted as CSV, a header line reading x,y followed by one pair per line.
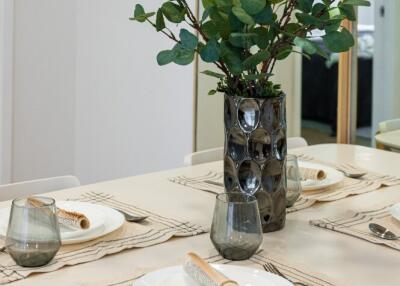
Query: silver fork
x,y
270,267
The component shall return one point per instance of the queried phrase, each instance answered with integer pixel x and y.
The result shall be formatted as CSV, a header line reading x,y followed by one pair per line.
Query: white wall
x,y
132,116
89,98
386,99
44,88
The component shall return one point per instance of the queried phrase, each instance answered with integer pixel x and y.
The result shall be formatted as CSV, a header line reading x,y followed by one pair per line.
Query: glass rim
x,y
47,202
251,197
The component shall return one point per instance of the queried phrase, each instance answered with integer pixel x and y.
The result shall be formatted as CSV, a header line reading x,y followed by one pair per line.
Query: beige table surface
x,y
349,260
390,139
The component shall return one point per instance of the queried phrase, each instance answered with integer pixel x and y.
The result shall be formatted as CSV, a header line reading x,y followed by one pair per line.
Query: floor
x,y
317,133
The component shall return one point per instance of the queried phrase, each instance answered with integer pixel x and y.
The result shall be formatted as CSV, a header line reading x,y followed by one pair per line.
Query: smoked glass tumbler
x,y
293,180
236,230
33,234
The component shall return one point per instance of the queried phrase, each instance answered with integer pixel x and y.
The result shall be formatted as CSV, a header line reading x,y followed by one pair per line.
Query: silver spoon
x,y
353,175
382,232
132,218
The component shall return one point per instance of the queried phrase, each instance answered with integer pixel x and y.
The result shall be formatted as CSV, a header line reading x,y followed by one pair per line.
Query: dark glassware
x,y
33,234
236,230
293,180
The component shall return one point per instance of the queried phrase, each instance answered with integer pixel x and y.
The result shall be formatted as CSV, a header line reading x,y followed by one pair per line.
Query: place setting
x,y
41,234
237,235
379,225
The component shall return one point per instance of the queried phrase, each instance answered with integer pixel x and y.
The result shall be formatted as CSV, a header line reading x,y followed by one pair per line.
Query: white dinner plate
x,y
395,211
245,276
103,220
333,177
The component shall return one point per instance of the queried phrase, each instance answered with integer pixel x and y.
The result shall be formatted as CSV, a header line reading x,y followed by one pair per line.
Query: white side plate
x,y
245,276
395,211
104,220
333,177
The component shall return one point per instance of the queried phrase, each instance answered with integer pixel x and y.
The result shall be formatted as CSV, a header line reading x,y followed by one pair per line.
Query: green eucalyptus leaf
x,y
265,17
213,74
181,55
242,15
139,11
173,12
262,37
284,52
252,61
222,3
160,23
212,92
318,8
348,11
231,59
210,52
305,5
210,29
140,15
307,19
306,45
188,40
253,7
357,2
242,40
208,3
339,41
165,57
333,25
235,23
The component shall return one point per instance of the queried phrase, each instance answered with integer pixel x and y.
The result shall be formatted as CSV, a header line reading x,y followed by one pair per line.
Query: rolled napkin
x,y
200,271
67,218
307,174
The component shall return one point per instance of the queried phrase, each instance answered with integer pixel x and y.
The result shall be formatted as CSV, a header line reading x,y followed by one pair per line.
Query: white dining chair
x,y
217,154
389,125
34,187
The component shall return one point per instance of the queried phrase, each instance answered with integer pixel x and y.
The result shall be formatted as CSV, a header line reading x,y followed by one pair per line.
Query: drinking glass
x,y
33,234
293,180
236,228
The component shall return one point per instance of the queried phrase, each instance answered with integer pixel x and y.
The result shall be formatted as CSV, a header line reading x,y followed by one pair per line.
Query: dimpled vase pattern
x,y
255,154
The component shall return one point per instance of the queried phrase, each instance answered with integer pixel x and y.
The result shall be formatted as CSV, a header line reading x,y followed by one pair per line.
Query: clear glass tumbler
x,y
293,180
236,228
33,234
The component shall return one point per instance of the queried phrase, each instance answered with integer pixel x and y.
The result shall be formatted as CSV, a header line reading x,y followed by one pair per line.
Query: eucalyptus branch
x,y
269,24
170,35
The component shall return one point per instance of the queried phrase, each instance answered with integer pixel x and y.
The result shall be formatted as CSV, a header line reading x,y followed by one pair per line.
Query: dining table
x,y
348,260
390,139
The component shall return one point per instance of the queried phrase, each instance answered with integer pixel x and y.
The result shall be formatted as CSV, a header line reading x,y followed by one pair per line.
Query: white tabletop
x,y
348,260
390,139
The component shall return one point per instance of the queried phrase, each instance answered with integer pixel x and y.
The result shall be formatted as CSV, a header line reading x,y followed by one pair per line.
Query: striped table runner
x,y
158,229
356,224
348,187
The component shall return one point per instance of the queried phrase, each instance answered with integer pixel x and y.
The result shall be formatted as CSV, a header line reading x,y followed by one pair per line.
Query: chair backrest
x,y
34,187
296,142
389,125
209,155
217,154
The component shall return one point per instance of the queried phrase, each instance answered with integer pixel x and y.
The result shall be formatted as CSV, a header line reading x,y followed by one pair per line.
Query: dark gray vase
x,y
255,154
